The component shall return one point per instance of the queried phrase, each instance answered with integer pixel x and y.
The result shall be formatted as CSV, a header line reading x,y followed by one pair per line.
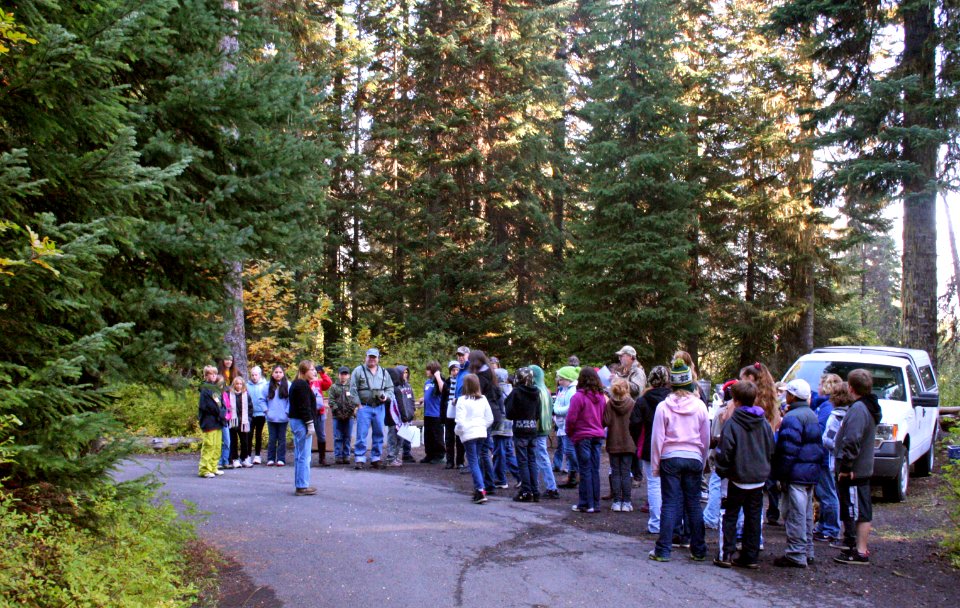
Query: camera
x,y
381,397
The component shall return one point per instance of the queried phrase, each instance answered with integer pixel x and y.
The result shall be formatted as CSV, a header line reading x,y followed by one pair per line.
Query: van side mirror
x,y
927,399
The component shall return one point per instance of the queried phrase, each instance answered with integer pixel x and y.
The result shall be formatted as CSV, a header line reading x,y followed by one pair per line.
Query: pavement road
x,y
382,539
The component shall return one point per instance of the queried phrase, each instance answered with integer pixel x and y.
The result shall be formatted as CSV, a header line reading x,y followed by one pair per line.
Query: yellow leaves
x,y
41,248
10,33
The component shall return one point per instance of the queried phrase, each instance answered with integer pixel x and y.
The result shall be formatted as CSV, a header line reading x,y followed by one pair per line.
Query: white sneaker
x,y
280,463
616,507
256,460
236,464
247,463
209,475
626,507
270,463
219,472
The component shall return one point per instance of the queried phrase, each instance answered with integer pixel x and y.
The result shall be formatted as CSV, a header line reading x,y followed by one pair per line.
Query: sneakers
x,y
208,475
256,460
657,558
463,470
626,507
748,565
306,491
523,497
502,486
853,557
247,463
698,558
280,463
359,465
270,463
396,463
840,544
785,562
479,497
579,510
823,538
375,464
554,494
722,563
236,464
218,472
616,507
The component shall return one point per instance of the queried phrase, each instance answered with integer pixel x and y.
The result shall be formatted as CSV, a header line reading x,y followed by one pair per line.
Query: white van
x,y
906,386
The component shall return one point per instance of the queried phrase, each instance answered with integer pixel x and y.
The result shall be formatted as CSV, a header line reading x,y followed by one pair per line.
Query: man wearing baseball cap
x,y
372,386
452,444
631,370
463,352
796,465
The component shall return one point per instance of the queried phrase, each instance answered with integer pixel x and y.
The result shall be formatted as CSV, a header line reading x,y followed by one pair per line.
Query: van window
x,y
914,385
888,381
926,374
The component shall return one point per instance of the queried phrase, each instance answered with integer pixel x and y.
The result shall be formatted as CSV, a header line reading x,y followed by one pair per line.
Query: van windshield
x,y
887,380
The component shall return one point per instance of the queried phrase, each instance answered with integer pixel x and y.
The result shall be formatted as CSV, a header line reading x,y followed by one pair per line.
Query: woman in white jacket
x,y
473,418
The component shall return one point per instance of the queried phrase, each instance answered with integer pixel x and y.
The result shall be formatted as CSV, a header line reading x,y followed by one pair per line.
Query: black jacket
x,y
523,408
491,390
209,415
303,403
641,420
854,444
746,448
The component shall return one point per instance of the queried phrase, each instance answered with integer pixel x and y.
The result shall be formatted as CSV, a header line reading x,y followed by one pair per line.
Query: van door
x,y
924,419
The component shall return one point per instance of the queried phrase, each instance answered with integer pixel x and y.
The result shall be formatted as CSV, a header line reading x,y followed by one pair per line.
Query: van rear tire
x,y
924,466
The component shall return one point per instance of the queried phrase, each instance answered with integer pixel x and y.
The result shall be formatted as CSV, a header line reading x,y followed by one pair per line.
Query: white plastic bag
x,y
410,433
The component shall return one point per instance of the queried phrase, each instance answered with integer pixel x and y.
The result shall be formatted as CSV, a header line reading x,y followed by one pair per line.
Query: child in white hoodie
x,y
473,418
681,437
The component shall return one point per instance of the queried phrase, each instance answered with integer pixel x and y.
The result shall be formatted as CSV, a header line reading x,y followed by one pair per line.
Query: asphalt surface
x,y
383,539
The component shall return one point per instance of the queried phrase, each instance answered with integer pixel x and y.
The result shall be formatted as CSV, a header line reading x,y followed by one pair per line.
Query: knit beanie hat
x,y
680,375
568,372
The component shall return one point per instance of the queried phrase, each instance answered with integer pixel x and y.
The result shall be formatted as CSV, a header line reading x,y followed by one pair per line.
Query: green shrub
x,y
156,412
127,552
951,493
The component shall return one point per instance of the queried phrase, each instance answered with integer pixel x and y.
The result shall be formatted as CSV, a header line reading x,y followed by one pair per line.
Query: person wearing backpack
x,y
398,448
343,408
373,386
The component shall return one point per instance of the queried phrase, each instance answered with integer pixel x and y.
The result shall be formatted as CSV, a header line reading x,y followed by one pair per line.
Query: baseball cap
x,y
372,352
628,350
799,388
453,364
343,370
463,350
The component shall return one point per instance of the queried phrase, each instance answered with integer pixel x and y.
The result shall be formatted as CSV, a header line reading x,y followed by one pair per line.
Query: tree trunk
x,y
236,338
920,195
333,279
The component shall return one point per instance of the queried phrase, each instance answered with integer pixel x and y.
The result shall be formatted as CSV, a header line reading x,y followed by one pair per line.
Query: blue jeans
x,y
301,453
276,441
472,448
369,417
486,462
558,454
543,464
680,484
526,449
588,463
654,499
504,459
826,491
320,428
342,429
225,447
711,514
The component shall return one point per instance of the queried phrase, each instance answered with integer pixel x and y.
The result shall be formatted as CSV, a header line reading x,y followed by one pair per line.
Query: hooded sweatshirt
x,y
258,396
209,415
523,408
641,421
546,410
746,447
681,429
585,416
616,417
854,444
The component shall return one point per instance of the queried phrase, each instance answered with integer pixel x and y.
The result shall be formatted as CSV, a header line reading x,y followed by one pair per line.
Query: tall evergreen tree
x,y
627,279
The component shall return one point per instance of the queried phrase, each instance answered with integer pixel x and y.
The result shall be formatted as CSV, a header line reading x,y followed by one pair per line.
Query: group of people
x,y
786,442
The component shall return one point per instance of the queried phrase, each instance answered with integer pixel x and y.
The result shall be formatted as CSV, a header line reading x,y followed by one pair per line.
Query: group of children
x,y
488,423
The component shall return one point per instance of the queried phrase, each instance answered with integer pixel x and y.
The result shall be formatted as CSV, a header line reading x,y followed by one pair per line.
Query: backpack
x,y
833,428
408,409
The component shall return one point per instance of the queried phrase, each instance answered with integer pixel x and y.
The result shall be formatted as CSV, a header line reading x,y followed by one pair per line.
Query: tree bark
x,y
236,338
920,195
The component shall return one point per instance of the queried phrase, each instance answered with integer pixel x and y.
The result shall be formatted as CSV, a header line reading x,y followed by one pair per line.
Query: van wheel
x,y
924,466
895,490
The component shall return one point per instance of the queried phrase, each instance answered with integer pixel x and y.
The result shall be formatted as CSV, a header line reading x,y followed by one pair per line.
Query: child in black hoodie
x,y
523,408
743,457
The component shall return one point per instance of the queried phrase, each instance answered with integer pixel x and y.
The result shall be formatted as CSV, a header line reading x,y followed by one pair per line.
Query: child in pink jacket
x,y
681,437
